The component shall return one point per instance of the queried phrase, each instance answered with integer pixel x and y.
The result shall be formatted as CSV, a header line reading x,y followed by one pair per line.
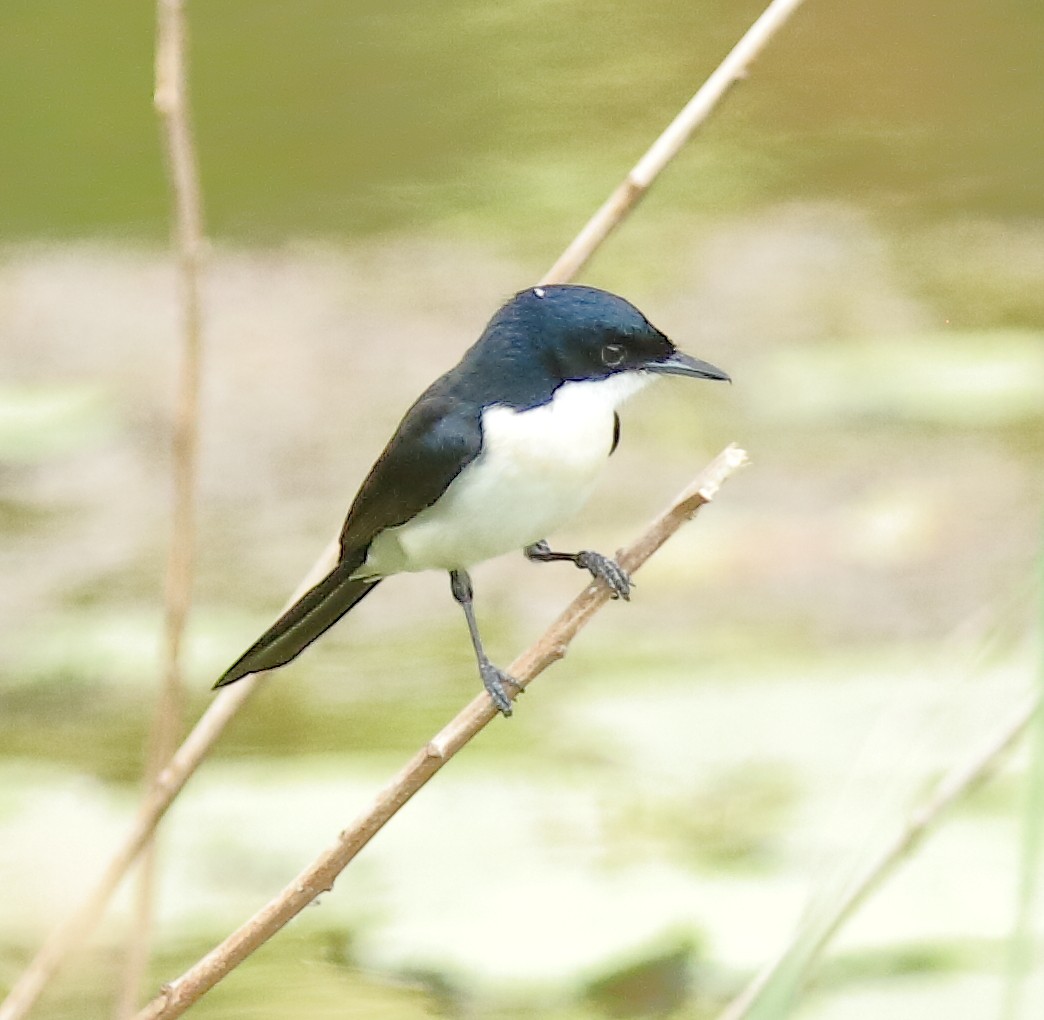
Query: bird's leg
x,y
599,566
492,678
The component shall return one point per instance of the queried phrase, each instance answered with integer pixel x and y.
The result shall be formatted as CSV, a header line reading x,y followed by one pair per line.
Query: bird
x,y
492,457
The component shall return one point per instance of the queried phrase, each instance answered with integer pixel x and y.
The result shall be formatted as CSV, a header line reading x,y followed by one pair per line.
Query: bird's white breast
x,y
536,469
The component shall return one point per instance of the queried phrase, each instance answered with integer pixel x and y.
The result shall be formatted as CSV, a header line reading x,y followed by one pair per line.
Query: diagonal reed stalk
x,y
1024,942
78,924
782,976
320,876
171,102
633,187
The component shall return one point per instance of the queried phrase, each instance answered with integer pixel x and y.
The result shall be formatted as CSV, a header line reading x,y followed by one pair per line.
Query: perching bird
x,y
493,456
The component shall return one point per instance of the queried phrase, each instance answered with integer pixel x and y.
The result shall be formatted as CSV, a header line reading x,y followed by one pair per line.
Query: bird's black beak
x,y
680,363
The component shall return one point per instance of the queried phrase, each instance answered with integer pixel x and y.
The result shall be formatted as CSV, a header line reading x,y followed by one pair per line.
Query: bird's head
x,y
587,333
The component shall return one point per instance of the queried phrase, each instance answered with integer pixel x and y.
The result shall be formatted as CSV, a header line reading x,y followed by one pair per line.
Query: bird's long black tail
x,y
312,614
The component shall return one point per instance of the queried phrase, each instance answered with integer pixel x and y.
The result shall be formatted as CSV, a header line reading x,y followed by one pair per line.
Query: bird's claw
x,y
618,580
494,679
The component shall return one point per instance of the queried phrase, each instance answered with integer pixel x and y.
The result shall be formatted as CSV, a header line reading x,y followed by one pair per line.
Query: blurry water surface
x,y
513,118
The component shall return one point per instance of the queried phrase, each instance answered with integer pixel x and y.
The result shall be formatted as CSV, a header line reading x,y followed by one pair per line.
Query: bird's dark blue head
x,y
581,333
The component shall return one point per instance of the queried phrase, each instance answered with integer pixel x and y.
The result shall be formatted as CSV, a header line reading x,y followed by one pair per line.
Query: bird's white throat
x,y
536,470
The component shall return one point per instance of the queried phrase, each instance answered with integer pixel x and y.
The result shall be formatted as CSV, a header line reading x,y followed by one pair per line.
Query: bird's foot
x,y
618,580
494,680
540,552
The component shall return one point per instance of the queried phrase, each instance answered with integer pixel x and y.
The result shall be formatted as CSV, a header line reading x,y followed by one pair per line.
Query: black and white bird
x,y
492,457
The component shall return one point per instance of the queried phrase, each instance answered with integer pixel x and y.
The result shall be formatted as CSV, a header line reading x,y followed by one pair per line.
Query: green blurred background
x,y
857,236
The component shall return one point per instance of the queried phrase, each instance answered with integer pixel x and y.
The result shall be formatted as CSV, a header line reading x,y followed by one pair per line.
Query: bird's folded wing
x,y
436,440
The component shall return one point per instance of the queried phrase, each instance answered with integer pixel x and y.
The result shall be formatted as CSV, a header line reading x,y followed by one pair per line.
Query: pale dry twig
x,y
807,946
635,185
319,877
161,794
171,102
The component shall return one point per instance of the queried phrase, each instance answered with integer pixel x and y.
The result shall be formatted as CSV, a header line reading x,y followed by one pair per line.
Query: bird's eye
x,y
612,355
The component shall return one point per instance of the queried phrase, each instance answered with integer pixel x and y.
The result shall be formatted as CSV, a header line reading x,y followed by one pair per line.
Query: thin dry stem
x,y
170,782
806,948
171,101
77,925
634,186
320,876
